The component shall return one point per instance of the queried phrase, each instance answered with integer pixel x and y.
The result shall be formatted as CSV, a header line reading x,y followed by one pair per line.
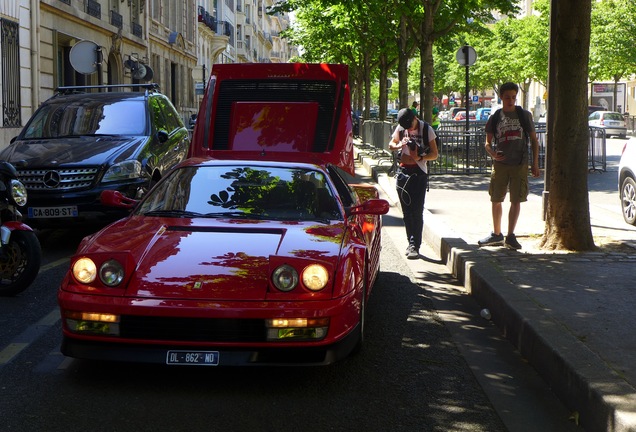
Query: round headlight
x,y
285,278
315,277
18,193
111,273
85,270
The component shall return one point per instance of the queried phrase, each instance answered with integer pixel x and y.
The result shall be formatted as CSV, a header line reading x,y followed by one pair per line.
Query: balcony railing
x,y
93,8
206,18
116,19
68,2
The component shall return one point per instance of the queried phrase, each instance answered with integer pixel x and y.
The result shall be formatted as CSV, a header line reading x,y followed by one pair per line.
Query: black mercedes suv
x,y
86,139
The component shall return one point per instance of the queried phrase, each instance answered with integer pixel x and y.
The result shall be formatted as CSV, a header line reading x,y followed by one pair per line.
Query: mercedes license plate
x,y
197,358
52,212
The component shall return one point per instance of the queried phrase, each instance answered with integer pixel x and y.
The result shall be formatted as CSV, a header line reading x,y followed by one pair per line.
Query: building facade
x,y
46,44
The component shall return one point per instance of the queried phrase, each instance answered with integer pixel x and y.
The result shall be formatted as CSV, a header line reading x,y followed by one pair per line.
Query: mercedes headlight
x,y
122,171
18,193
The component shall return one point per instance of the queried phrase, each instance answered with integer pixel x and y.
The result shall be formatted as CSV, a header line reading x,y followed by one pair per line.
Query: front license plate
x,y
200,358
52,212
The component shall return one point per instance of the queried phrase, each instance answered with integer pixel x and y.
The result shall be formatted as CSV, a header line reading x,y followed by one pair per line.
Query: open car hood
x,y
276,111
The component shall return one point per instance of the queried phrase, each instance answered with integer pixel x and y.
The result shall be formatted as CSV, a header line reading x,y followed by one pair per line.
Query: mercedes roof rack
x,y
80,89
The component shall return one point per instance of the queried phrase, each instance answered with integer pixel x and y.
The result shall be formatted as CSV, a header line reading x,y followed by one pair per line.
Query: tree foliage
x,y
612,50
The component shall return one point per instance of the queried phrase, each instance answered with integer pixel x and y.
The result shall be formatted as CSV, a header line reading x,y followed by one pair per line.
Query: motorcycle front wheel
x,y
19,262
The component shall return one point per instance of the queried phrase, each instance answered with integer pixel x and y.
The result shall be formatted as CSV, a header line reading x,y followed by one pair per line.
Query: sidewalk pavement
x,y
572,316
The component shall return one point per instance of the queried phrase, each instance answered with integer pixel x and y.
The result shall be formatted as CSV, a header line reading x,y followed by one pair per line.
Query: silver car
x,y
612,122
627,181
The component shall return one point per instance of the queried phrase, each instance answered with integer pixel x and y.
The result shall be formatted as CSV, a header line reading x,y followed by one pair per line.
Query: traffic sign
x,y
475,98
466,55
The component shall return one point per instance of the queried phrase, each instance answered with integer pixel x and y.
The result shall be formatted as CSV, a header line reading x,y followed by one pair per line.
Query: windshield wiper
x,y
234,214
174,213
323,220
191,214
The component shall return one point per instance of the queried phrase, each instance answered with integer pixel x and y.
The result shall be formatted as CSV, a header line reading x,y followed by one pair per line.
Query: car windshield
x,y
613,116
88,117
237,191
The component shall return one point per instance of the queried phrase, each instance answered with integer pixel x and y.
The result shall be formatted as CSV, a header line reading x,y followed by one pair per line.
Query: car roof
x,y
107,92
106,97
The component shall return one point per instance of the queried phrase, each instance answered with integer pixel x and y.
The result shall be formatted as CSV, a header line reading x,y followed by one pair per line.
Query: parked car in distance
x,y
594,108
461,116
612,122
627,181
482,114
453,112
87,139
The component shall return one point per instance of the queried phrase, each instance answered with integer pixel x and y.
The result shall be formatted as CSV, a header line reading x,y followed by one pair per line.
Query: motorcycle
x,y
20,251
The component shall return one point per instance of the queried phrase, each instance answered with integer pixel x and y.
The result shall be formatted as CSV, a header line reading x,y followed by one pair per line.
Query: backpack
x,y
523,119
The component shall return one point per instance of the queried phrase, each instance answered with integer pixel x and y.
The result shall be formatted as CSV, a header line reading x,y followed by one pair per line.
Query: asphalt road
x,y
427,350
410,376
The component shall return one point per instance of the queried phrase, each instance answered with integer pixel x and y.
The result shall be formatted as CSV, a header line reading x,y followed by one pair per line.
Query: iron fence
x,y
597,150
462,151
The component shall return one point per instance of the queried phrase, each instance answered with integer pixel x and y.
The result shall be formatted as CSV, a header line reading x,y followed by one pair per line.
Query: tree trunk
x,y
382,111
358,89
427,62
367,86
616,80
568,213
428,76
403,65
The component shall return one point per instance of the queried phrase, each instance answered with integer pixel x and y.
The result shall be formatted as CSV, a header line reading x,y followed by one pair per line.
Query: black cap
x,y
405,118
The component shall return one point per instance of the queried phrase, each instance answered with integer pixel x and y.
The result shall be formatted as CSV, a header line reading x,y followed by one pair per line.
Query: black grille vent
x,y
322,92
192,329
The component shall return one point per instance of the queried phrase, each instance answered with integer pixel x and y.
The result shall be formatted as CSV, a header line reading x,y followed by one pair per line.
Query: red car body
x,y
207,269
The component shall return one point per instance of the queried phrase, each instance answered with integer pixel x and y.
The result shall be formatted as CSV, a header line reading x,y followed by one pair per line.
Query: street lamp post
x,y
466,56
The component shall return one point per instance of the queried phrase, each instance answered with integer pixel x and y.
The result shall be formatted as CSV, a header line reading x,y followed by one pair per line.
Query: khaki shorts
x,y
513,177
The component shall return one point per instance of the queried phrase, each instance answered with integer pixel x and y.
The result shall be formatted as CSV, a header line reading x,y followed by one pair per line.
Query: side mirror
x,y
370,207
115,198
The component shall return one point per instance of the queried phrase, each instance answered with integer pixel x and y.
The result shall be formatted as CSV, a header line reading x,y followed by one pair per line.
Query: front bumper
x,y
150,328
157,354
89,208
